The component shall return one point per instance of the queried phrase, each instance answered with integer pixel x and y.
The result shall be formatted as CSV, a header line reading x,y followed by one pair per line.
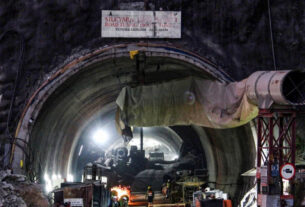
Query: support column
x,y
276,130
141,139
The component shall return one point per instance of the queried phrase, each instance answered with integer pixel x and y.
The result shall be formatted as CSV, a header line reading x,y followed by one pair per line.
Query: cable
x,y
271,35
21,49
11,140
16,82
29,158
20,61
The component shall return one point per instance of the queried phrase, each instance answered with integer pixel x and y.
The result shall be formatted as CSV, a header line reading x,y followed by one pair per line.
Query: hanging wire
x,y
10,140
29,158
271,35
21,45
20,61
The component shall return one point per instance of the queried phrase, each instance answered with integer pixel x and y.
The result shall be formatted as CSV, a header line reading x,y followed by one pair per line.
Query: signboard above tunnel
x,y
141,24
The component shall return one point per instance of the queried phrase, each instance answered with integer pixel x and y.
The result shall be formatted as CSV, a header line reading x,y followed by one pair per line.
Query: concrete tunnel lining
x,y
75,63
86,70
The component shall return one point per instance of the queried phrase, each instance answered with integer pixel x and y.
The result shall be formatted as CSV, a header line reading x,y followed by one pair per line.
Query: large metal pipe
x,y
210,103
287,87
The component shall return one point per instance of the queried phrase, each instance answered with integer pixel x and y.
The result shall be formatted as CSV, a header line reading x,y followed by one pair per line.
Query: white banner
x,y
141,24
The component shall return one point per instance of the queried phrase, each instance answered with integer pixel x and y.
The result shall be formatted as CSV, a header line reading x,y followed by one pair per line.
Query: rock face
x,y
16,191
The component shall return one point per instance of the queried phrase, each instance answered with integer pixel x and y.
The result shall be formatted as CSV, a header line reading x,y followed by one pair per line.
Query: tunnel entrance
x,y
82,93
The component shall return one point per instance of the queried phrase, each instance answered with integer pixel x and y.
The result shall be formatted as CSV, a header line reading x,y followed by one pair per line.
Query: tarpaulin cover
x,y
186,102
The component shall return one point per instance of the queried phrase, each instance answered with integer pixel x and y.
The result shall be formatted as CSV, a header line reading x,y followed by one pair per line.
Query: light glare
x,y
48,187
80,150
100,136
46,177
70,178
176,157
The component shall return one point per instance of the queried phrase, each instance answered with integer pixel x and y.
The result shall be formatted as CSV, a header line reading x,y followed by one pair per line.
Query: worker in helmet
x,y
115,201
124,201
150,194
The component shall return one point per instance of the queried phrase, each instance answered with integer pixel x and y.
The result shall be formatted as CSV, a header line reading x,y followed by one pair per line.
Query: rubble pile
x,y
17,191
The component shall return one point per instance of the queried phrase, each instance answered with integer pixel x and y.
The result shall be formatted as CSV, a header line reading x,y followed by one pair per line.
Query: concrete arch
x,y
71,67
98,69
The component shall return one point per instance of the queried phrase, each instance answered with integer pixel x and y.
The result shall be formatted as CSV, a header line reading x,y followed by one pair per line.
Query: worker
x,y
115,202
197,202
124,201
163,189
201,194
168,186
150,194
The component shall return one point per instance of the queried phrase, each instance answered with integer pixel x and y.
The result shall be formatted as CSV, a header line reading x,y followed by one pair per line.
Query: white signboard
x,y
141,24
287,171
74,202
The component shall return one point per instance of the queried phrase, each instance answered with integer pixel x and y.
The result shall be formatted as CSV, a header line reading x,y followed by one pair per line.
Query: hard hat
x,y
149,187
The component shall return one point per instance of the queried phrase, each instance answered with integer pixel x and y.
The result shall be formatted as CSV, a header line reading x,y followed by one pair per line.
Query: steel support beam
x,y
276,131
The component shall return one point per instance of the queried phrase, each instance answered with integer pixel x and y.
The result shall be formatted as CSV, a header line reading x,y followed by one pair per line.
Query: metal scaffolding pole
x,y
141,138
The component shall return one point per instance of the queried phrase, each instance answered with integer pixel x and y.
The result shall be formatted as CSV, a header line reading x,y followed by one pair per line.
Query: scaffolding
x,y
276,133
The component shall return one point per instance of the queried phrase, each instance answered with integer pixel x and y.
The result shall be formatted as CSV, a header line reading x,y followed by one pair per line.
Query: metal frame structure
x,y
276,137
276,132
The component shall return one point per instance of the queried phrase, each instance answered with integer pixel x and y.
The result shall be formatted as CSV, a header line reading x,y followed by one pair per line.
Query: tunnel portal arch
x,y
107,57
62,73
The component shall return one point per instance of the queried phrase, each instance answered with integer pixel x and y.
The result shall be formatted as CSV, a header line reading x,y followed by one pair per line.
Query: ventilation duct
x,y
280,87
209,103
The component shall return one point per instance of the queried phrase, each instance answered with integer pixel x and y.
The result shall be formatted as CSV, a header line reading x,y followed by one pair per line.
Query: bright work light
x,y
100,136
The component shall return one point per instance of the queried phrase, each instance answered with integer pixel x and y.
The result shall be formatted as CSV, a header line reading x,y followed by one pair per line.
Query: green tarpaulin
x,y
185,102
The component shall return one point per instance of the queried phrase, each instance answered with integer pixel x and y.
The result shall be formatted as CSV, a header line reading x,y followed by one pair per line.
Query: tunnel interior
x,y
61,135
